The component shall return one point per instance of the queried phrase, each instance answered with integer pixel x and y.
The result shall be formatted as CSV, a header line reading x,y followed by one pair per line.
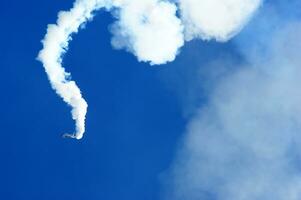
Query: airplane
x,y
67,135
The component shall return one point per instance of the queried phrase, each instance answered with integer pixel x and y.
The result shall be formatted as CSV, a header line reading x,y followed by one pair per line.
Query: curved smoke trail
x,y
55,45
150,29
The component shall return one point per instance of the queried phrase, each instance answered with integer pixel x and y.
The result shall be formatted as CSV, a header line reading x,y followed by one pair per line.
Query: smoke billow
x,y
215,19
150,29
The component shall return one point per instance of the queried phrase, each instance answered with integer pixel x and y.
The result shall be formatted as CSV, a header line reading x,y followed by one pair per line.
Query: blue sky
x,y
140,116
133,120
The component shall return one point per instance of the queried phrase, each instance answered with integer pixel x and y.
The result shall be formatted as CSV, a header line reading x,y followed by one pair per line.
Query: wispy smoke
x,y
150,29
244,144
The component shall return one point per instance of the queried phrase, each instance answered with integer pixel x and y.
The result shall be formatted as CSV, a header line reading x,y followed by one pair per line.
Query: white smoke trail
x,y
55,45
144,42
150,29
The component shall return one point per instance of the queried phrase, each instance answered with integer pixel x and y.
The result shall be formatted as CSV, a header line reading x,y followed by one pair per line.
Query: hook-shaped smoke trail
x,y
150,29
161,16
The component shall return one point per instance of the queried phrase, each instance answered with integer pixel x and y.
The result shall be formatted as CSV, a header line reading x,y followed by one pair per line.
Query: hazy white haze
x,y
244,142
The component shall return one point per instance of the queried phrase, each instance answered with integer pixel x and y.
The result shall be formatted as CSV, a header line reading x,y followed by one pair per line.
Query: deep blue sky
x,y
135,119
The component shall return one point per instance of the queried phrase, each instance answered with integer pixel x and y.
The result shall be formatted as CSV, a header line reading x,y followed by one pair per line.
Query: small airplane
x,y
67,135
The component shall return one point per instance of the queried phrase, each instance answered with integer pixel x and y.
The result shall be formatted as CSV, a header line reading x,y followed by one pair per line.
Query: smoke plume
x,y
150,29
